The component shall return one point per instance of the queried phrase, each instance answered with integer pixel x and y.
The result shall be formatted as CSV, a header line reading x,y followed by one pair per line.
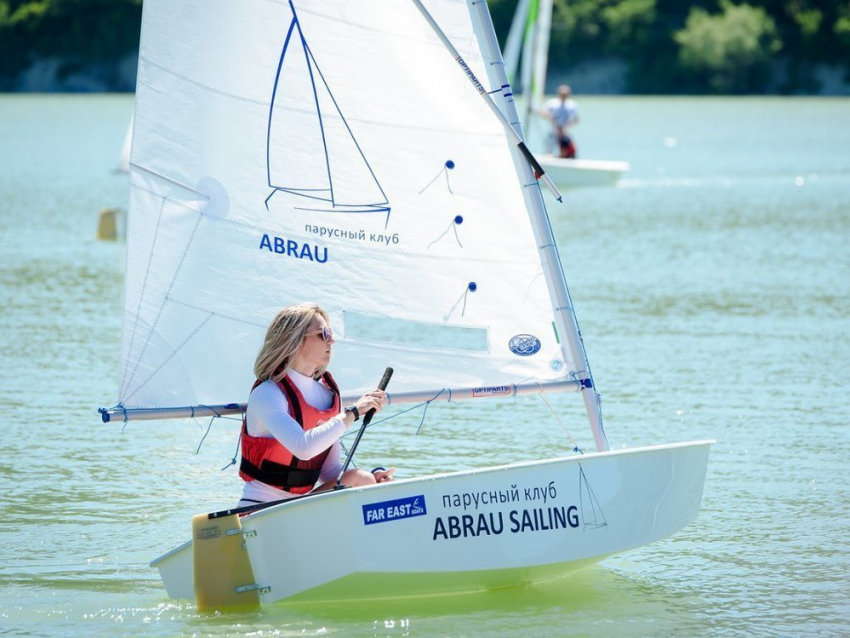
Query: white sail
x,y
445,283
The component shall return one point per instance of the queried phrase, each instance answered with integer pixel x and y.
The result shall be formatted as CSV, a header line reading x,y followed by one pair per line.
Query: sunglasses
x,y
326,333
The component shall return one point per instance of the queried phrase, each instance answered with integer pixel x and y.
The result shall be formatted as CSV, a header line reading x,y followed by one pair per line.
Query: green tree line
x,y
80,33
702,46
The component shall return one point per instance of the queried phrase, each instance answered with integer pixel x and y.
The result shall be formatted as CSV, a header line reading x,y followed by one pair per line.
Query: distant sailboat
x,y
112,221
124,156
462,292
527,50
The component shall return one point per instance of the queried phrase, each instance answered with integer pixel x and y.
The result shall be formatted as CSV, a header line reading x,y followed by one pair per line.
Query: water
x,y
712,290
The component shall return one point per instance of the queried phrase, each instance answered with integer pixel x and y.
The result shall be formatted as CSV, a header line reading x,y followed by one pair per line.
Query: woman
x,y
291,430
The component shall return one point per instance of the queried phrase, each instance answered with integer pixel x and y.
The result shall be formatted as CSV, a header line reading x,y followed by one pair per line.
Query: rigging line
x,y
170,356
431,182
215,416
235,452
558,419
465,295
443,234
422,420
161,308
410,409
427,405
447,166
124,412
142,294
209,427
452,226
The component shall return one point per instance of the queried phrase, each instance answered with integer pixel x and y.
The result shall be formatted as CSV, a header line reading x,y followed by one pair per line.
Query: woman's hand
x,y
382,476
374,400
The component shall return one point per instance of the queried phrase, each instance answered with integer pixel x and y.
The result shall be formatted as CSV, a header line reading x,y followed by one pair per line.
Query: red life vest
x,y
266,459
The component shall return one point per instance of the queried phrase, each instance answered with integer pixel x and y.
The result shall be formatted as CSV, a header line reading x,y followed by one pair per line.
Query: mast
x,y
529,50
515,37
542,28
565,319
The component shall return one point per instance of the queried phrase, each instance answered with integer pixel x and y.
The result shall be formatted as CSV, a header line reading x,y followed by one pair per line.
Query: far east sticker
x,y
386,511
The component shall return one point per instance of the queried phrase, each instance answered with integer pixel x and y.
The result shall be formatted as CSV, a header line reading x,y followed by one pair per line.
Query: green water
x,y
712,290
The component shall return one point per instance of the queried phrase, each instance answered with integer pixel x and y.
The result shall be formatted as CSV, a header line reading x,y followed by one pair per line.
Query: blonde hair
x,y
283,341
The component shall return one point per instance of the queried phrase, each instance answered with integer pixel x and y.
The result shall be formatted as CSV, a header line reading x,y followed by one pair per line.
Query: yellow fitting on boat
x,y
223,573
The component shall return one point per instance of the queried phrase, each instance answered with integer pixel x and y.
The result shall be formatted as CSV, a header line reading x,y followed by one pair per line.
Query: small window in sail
x,y
414,333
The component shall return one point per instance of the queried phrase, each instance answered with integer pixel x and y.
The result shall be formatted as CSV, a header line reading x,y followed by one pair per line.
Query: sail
x,y
263,132
541,53
515,39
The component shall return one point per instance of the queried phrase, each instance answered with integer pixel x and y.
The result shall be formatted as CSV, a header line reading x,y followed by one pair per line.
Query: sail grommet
x,y
217,202
458,219
472,286
450,164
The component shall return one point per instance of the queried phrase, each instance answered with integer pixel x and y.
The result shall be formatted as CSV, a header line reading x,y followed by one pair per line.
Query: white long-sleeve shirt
x,y
268,417
563,113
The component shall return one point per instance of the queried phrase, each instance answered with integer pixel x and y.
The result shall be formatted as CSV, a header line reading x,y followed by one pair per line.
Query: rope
x,y
410,409
447,166
557,418
215,416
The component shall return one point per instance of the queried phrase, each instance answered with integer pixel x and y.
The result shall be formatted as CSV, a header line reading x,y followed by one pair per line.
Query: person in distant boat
x,y
562,112
294,420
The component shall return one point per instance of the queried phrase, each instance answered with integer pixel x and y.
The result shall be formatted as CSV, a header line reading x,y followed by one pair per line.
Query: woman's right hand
x,y
374,400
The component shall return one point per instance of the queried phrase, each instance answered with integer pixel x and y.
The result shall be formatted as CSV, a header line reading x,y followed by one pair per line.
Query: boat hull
x,y
575,173
465,531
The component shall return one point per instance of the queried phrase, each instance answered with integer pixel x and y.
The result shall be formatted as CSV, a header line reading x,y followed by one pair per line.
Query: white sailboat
x,y
527,52
124,158
457,285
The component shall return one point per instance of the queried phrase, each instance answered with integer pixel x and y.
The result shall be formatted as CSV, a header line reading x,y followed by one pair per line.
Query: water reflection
x,y
595,597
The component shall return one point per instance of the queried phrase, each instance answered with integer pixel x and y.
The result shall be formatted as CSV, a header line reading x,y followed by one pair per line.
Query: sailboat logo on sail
x,y
311,151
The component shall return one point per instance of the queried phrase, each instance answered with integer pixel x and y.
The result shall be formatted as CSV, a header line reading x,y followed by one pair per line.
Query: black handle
x,y
535,165
382,385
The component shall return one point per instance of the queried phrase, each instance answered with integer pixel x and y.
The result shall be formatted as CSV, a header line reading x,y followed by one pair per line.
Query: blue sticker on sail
x,y
396,510
524,345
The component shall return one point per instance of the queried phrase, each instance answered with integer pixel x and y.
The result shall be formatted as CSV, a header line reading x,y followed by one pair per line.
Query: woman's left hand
x,y
382,476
